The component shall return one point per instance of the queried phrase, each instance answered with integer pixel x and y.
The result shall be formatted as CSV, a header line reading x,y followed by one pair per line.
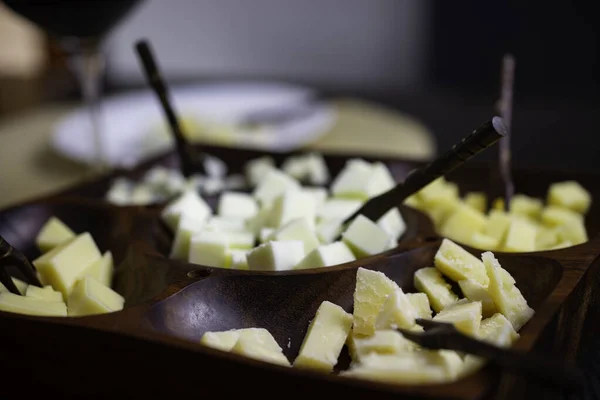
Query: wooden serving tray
x,y
151,347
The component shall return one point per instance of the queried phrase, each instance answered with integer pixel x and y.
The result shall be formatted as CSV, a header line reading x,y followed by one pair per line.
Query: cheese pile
x,y
529,225
294,225
76,277
492,309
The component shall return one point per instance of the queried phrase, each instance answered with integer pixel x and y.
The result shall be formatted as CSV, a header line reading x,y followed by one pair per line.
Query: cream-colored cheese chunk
x,y
462,223
90,297
21,286
339,209
381,342
318,194
520,236
186,228
497,225
497,330
274,184
189,203
237,205
430,281
276,256
420,303
53,233
466,316
46,293
220,340
327,255
209,248
406,368
397,311
31,306
265,234
226,224
258,343
371,291
257,168
553,216
63,265
457,264
521,204
325,338
102,270
476,200
474,291
328,230
290,206
298,229
237,259
569,194
365,238
393,223
243,240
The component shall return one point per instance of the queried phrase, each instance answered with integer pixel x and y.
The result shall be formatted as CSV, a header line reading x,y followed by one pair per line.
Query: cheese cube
x,y
90,297
237,259
327,255
461,225
142,194
290,206
420,303
189,203
265,234
209,248
339,209
328,230
226,224
186,228
119,192
439,292
45,293
213,185
484,242
520,236
561,245
365,238
406,368
325,338
259,221
309,167
273,185
525,205
476,200
53,233
381,342
102,270
214,166
14,303
474,291
296,167
466,316
319,194
573,232
259,344
546,238
457,264
257,169
156,177
21,286
393,223
569,194
497,225
276,256
241,240
237,205
507,297
371,291
553,216
220,340
497,330
298,229
450,360
353,180
397,311
63,265
413,201
381,180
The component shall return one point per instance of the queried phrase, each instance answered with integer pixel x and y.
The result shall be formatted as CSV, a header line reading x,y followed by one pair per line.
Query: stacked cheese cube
x,y
493,309
529,225
76,277
295,226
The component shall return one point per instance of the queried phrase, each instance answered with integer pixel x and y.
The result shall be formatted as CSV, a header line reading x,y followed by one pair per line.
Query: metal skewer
x,y
504,108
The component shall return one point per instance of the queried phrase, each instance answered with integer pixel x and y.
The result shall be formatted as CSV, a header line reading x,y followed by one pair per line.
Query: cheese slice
x,y
45,293
14,303
371,291
258,343
53,233
220,340
90,297
102,270
440,294
466,316
397,311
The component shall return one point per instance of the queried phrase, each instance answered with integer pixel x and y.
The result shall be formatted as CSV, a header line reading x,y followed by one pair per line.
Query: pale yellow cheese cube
x,y
439,213
53,233
21,286
328,230
220,340
242,240
325,338
46,293
458,264
484,242
209,248
507,297
276,256
573,231
420,303
189,203
63,265
259,344
264,234
463,222
259,221
290,206
393,223
438,191
553,216
497,330
546,238
327,255
365,238
355,181
237,205
381,342
90,297
237,259
186,228
521,204
476,200
318,194
338,209
569,194
371,291
439,292
102,270
465,316
298,229
413,201
257,168
474,291
274,184
407,368
450,360
14,303
397,311
226,224
561,245
498,204
520,236
497,225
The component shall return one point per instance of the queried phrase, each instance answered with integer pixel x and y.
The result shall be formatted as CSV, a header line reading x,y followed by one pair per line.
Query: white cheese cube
x,y
273,185
298,229
259,344
189,203
318,173
265,234
327,255
220,340
259,221
102,270
90,297
381,180
141,195
226,224
119,192
14,303
319,194
370,293
290,206
397,311
353,180
157,177
186,228
365,238
338,208
45,293
214,166
393,223
243,240
237,259
53,233
276,256
237,204
325,338
329,229
209,248
381,342
257,169
296,167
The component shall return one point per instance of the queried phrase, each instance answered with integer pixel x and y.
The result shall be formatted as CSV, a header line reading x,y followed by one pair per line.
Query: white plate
x,y
133,125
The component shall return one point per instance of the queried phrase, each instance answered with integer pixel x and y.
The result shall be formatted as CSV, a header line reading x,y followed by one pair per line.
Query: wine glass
x,y
80,27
